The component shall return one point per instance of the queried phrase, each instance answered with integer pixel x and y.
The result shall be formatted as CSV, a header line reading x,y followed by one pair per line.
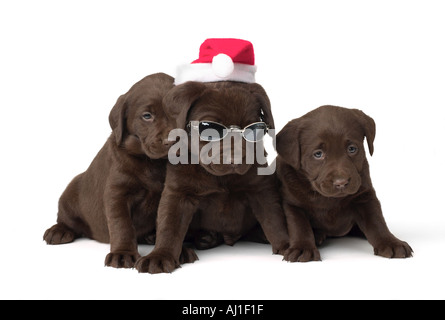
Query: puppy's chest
x,y
224,211
152,179
334,222
222,201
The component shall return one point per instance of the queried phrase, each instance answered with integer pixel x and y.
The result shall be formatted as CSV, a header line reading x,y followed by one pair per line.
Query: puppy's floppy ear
x,y
117,118
368,126
288,144
177,101
264,101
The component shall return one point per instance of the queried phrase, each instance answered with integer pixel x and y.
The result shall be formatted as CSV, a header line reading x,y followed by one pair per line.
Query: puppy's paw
x,y
157,262
150,238
121,259
394,249
320,237
188,255
302,254
204,239
59,234
281,251
280,247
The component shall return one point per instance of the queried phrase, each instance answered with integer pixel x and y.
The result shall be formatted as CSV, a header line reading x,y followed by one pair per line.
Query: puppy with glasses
x,y
222,196
326,184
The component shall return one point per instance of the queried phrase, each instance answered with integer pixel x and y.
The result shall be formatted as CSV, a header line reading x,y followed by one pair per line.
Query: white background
x,y
63,64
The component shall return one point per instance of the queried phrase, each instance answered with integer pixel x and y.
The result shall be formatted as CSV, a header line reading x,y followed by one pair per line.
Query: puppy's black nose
x,y
340,184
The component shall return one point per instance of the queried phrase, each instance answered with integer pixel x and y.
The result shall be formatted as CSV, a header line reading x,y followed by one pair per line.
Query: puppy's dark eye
x,y
147,116
352,149
319,154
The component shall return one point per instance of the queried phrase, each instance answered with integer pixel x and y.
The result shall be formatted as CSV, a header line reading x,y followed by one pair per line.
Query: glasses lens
x,y
255,132
211,131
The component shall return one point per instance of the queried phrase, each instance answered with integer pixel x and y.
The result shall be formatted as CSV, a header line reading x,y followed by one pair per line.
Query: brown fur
x,y
229,199
326,185
115,201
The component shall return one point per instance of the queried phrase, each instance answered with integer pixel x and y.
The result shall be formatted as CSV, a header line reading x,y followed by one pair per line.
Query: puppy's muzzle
x,y
341,184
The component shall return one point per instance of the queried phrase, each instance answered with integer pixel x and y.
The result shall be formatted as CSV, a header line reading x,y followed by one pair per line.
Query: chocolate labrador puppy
x,y
228,197
326,185
115,201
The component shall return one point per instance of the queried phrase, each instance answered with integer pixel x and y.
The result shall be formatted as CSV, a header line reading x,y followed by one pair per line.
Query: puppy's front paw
x,y
157,262
302,254
121,259
150,238
320,237
280,249
393,249
207,239
188,255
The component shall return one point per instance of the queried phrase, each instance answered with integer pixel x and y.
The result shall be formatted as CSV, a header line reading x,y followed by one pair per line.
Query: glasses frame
x,y
228,130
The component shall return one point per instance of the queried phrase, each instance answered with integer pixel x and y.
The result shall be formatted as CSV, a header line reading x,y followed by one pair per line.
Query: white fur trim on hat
x,y
205,72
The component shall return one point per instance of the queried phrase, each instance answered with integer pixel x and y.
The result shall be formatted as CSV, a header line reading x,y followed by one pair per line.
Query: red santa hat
x,y
221,60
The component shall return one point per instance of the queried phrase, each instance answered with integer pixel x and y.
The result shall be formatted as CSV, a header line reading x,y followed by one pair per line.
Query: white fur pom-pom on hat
x,y
222,65
221,60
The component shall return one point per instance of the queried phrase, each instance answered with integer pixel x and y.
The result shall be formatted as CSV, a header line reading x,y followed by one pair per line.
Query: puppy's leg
x,y
175,213
301,237
69,224
370,220
271,218
123,241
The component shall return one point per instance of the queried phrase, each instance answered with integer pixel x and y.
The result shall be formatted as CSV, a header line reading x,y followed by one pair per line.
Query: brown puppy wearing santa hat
x,y
216,97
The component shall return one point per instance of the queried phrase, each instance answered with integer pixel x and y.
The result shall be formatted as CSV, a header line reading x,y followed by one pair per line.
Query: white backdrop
x,y
63,64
